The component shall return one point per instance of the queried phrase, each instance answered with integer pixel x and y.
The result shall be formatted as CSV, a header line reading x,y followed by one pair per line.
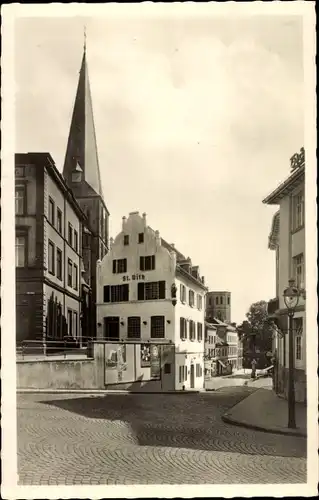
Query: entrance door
x,y
112,327
192,376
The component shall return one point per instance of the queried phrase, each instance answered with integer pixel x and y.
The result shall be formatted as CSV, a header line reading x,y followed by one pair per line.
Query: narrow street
x,y
148,438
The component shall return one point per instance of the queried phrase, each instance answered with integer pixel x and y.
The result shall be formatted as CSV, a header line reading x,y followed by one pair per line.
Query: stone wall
x,y
281,385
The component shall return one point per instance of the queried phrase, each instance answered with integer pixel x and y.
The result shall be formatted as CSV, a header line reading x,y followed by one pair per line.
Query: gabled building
x,y
287,239
150,297
222,354
82,174
50,287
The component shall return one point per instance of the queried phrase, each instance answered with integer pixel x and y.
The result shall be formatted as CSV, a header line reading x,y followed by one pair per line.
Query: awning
x,y
221,363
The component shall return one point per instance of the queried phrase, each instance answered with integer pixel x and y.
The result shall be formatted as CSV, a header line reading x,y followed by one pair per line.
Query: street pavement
x,y
149,439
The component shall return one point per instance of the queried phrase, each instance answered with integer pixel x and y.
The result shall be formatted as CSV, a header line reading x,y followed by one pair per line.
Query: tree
x,y
257,329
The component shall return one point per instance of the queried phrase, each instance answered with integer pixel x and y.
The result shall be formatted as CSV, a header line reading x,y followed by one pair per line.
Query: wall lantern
x,y
173,294
169,321
99,324
144,322
122,323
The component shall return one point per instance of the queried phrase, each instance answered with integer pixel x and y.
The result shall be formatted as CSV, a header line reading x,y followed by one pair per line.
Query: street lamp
x,y
291,299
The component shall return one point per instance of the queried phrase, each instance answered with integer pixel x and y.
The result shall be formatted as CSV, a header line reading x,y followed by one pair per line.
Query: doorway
x,y
192,376
112,327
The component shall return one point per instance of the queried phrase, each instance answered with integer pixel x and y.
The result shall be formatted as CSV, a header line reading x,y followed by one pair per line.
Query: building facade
x,y
49,225
148,293
82,174
222,356
218,305
287,240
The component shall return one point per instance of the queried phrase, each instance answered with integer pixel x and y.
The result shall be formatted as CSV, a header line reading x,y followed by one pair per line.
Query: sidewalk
x,y
263,410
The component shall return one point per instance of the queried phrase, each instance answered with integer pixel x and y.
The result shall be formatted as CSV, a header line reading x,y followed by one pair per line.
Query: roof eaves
x,y
285,187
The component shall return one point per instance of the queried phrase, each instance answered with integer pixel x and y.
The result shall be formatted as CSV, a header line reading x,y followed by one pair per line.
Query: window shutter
x,y
140,291
142,267
106,291
153,262
114,266
162,289
125,292
181,292
125,266
181,328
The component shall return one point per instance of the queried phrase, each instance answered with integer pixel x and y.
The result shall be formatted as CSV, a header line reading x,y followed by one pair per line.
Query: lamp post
x,y
291,299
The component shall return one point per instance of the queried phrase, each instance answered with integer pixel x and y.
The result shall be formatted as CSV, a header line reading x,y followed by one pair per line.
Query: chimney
x,y
123,222
144,219
203,280
158,239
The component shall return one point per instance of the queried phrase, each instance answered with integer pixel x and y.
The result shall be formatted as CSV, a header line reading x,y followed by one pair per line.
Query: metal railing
x,y
64,347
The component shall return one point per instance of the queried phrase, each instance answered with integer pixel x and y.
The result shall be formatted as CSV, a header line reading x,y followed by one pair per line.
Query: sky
x,y
196,120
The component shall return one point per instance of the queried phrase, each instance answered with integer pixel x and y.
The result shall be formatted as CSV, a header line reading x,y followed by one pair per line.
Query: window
x,y
119,266
20,251
59,220
76,241
70,316
298,210
51,211
75,324
147,263
183,328
59,263
191,329
70,268
20,200
191,298
228,301
217,301
70,234
76,277
298,348
51,257
199,302
298,264
141,237
167,368
199,370
157,327
151,290
221,300
182,293
199,332
182,374
134,327
126,239
116,293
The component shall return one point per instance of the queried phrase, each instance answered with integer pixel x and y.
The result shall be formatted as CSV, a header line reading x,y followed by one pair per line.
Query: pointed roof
x,y
82,148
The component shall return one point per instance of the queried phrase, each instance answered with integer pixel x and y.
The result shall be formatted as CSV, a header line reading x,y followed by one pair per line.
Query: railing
x,y
63,347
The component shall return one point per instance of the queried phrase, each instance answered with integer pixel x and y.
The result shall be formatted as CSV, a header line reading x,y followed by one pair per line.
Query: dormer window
x,y
77,174
141,237
126,239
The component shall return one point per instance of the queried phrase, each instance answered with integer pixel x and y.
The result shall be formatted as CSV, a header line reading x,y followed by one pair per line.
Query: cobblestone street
x,y
148,438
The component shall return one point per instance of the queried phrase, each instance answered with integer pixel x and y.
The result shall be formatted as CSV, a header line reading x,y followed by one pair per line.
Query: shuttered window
x,y
151,290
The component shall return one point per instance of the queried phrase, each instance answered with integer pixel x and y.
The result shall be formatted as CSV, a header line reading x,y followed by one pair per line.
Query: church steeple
x,y
81,163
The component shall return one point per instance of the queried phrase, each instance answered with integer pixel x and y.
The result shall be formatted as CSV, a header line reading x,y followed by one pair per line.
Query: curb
x,y
230,420
96,391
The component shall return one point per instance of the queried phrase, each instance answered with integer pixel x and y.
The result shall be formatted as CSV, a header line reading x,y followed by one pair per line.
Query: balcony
x,y
273,306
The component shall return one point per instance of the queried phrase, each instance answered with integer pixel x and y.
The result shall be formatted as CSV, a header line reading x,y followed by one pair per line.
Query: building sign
x,y
155,362
134,277
145,355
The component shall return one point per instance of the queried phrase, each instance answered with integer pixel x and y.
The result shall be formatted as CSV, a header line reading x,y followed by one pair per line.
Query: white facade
x,y
136,300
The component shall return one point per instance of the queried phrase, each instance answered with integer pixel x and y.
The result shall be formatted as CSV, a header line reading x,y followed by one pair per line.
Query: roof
x,y
286,187
273,238
45,160
217,322
82,146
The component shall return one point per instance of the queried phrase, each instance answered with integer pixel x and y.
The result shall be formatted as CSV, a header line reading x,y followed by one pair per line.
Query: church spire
x,y
81,159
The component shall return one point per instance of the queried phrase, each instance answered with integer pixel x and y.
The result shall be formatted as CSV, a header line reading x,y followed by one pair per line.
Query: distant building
x,y
221,349
82,174
218,305
49,225
287,239
151,297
